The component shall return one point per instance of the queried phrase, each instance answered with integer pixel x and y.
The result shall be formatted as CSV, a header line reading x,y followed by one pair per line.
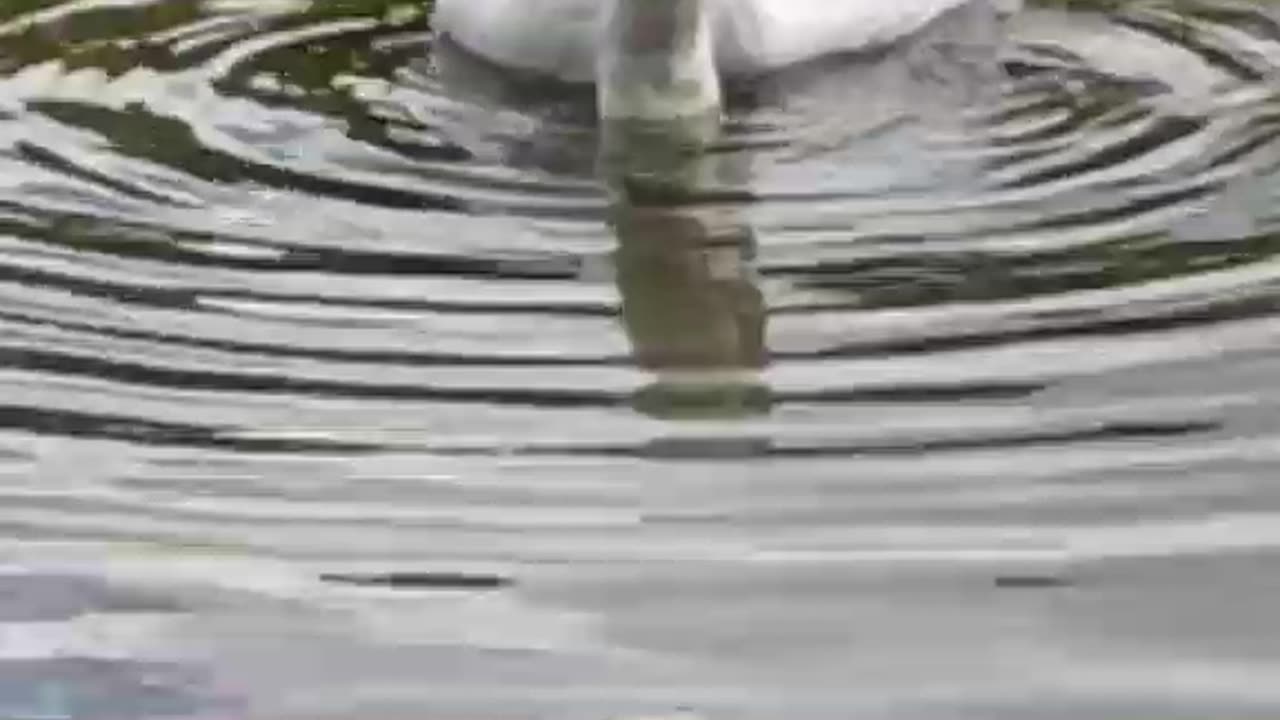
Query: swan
x,y
659,60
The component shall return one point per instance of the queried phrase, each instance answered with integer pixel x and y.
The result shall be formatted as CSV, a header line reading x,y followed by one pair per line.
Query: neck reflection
x,y
684,267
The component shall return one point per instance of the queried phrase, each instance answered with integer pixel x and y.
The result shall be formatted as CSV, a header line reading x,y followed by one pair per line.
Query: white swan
x,y
663,59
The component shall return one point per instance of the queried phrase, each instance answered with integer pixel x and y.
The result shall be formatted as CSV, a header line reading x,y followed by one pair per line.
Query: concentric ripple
x,y
300,295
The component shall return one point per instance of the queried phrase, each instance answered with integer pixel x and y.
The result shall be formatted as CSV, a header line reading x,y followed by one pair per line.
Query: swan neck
x,y
656,61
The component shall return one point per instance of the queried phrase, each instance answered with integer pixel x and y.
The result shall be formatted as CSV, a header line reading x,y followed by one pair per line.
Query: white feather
x,y
560,37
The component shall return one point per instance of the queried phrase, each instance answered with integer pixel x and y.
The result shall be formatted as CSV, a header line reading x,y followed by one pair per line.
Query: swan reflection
x,y
691,305
679,192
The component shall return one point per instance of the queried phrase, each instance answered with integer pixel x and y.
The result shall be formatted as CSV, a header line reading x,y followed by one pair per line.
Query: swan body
x,y
664,59
561,37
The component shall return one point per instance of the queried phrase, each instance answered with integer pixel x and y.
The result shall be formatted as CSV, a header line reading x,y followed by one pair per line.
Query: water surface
x,y
343,377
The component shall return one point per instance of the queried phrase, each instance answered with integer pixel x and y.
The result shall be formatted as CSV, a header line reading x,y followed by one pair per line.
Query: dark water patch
x,y
416,581
1162,133
49,159
376,357
158,376
50,422
1182,31
1033,582
761,448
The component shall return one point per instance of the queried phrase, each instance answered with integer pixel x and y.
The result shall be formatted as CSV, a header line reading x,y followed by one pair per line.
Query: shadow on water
x,y
345,376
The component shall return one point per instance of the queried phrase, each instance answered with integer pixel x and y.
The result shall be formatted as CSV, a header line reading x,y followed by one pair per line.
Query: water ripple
x,y
299,286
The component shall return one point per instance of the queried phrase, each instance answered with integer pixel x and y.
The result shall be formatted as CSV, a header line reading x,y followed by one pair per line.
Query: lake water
x,y
342,377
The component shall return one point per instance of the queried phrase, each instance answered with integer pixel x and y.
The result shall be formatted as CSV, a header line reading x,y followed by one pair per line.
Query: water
x,y
339,380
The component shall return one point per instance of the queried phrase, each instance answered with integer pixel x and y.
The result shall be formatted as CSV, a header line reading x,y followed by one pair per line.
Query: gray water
x,y
344,377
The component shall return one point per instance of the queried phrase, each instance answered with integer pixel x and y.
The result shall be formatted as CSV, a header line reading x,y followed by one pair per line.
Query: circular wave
x,y
297,280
